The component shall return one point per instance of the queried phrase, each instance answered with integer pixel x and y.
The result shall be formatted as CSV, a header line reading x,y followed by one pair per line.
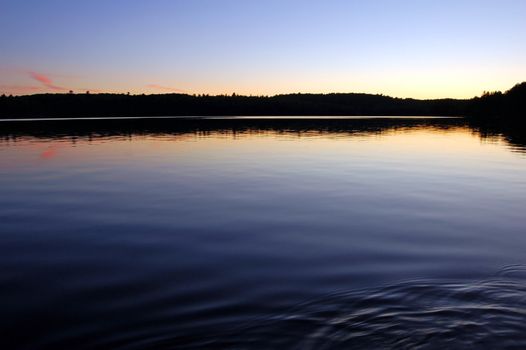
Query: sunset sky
x,y
411,48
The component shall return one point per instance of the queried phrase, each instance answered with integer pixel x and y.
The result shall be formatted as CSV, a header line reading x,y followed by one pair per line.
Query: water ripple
x,y
411,315
420,314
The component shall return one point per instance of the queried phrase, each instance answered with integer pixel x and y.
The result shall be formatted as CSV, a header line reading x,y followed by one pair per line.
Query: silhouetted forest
x,y
510,104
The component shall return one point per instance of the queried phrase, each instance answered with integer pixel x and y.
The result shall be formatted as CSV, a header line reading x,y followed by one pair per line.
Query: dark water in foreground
x,y
240,234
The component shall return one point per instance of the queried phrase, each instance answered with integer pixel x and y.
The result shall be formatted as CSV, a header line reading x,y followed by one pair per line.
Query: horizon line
x,y
234,94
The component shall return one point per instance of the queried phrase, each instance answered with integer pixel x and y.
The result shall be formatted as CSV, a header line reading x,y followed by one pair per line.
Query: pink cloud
x,y
19,89
46,81
164,88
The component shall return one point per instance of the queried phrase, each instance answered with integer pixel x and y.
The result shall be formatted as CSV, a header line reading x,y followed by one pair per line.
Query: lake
x,y
262,233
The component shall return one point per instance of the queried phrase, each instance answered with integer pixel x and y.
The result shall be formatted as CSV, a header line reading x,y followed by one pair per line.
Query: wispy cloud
x,y
19,89
164,88
46,81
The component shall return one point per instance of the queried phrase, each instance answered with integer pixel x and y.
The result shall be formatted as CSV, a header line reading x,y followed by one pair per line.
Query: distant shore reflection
x,y
75,130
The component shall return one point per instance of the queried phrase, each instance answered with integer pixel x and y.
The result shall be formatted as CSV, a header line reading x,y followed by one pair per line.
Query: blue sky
x,y
402,48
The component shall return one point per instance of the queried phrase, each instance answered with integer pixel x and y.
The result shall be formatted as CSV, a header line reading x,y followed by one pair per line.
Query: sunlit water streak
x,y
260,235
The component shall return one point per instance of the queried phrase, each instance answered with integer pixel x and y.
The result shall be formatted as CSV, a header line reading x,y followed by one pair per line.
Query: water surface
x,y
261,234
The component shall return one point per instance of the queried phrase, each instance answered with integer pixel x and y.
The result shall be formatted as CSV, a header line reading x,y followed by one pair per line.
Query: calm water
x,y
240,234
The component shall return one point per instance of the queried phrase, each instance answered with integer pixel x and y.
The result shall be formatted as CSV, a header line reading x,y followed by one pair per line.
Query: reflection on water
x,y
514,135
261,234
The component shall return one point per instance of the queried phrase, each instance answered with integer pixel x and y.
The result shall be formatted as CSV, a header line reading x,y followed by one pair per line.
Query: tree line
x,y
510,104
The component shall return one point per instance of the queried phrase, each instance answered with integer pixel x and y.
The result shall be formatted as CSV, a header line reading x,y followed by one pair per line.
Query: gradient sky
x,y
417,48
